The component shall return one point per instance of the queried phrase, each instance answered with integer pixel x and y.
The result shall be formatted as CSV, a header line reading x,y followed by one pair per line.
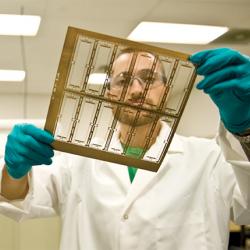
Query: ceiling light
x,y
97,78
19,25
12,75
176,33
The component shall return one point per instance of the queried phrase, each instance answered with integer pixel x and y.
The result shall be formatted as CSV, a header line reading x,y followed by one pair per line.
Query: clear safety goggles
x,y
143,77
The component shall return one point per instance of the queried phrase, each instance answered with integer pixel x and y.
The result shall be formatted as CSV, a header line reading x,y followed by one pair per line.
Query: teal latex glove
x,y
227,81
27,146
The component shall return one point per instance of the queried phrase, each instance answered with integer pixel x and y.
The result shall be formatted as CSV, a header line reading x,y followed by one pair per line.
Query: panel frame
x,y
60,87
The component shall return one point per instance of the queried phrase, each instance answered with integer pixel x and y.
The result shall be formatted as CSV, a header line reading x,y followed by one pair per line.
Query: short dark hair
x,y
130,50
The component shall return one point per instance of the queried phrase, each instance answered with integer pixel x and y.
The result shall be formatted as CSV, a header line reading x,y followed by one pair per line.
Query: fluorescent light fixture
x,y
12,75
176,33
97,78
19,25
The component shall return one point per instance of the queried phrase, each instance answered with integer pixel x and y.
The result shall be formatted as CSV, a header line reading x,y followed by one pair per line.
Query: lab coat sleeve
x,y
48,186
235,155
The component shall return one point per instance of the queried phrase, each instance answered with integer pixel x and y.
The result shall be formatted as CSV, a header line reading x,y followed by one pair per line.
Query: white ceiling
x,y
40,55
116,17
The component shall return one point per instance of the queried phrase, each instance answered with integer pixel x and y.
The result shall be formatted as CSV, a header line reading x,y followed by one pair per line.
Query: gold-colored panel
x,y
89,99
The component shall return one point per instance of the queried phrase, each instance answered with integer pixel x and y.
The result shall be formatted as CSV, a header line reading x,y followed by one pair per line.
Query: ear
x,y
107,93
111,95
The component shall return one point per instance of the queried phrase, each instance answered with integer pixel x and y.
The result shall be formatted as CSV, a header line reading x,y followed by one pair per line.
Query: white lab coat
x,y
184,206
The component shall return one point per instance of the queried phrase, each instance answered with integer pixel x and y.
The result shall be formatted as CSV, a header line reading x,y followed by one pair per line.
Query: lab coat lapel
x,y
145,179
139,185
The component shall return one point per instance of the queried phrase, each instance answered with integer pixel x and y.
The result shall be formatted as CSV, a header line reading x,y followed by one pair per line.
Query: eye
x,y
121,81
147,79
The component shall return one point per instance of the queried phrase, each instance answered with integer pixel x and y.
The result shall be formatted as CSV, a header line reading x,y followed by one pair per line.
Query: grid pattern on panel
x,y
85,114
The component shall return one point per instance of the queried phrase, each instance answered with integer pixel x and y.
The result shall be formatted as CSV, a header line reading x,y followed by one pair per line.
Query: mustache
x,y
140,100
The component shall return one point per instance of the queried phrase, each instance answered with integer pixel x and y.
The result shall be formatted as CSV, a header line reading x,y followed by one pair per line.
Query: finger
x,y
21,159
37,133
222,75
23,163
16,140
38,147
234,84
219,61
201,56
27,154
29,162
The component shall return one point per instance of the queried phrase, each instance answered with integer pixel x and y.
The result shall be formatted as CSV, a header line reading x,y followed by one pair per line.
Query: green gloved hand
x,y
227,81
27,146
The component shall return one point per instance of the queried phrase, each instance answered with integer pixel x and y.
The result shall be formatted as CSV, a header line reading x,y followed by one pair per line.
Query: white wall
x,y
14,106
36,234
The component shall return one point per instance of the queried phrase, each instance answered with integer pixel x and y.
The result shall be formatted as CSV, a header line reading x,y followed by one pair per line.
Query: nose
x,y
135,86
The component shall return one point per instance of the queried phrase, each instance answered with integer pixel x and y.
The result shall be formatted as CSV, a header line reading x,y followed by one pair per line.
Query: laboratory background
x,y
35,58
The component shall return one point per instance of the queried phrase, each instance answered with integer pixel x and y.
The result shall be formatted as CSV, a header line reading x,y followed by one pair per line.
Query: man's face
x,y
137,82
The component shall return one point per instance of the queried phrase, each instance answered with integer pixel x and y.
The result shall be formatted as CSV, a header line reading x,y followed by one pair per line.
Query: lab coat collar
x,y
143,178
176,145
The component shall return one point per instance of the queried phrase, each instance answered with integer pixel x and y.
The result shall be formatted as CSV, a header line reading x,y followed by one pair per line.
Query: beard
x,y
128,116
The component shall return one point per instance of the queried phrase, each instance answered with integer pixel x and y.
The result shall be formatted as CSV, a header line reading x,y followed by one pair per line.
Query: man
x,y
142,122
185,205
